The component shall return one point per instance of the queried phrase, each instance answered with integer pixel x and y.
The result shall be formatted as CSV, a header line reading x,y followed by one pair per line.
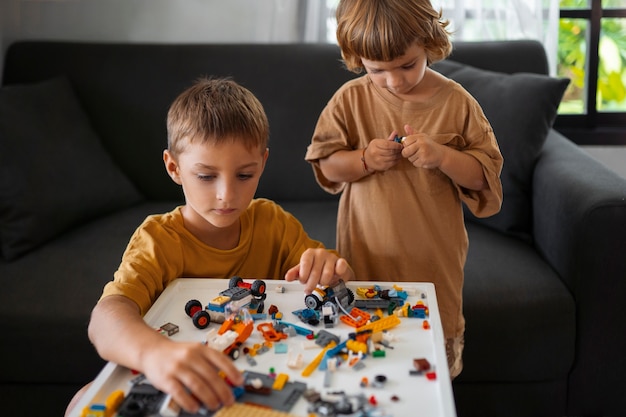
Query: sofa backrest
x,y
126,90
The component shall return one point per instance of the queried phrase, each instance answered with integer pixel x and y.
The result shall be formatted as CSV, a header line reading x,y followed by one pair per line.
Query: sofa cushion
x,y
54,171
520,317
521,108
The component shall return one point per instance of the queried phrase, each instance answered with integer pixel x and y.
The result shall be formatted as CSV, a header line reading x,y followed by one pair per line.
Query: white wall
x,y
176,21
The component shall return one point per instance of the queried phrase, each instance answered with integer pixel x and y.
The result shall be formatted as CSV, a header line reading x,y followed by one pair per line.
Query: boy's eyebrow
x,y
205,166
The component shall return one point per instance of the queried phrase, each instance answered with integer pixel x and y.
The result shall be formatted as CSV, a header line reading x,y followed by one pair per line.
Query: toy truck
x,y
234,331
239,294
338,294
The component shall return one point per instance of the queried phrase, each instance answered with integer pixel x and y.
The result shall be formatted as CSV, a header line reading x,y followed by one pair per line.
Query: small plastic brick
x,y
426,325
113,402
169,329
308,370
295,361
272,310
356,318
421,364
382,324
431,376
280,381
379,353
280,348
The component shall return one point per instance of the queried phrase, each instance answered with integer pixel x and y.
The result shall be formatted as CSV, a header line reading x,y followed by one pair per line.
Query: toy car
x,y
239,294
338,294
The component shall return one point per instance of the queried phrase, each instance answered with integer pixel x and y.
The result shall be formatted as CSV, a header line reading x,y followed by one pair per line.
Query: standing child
x,y
400,214
217,149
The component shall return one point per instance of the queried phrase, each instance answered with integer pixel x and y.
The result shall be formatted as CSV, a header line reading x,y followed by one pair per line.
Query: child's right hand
x,y
190,373
382,154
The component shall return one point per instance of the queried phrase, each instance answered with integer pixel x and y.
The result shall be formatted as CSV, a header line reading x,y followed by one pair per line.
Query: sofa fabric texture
x,y
82,131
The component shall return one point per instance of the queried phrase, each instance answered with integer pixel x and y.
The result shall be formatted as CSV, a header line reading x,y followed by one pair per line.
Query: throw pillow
x,y
521,108
54,171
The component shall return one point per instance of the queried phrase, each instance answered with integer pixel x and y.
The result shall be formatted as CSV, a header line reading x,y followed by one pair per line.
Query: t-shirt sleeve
x,y
145,267
484,147
330,136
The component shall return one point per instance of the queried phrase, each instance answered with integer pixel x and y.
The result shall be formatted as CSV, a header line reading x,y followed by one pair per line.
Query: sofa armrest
x,y
579,209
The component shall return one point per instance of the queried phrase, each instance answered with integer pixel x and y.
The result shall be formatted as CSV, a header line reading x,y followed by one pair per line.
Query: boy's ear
x,y
171,166
265,156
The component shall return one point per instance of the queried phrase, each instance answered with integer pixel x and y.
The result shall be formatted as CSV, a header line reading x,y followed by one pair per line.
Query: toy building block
x,y
299,329
356,318
269,332
308,370
246,410
168,329
280,381
381,325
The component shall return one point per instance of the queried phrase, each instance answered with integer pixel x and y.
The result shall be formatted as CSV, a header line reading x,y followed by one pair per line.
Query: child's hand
x,y
382,154
189,372
421,150
319,266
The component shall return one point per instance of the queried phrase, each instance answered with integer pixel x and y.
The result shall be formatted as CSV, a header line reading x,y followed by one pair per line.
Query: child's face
x,y
401,76
218,180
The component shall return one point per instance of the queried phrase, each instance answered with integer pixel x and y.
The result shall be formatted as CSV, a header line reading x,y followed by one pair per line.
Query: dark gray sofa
x,y
544,300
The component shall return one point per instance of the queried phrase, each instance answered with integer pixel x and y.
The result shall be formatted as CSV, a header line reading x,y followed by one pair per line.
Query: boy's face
x,y
218,180
401,76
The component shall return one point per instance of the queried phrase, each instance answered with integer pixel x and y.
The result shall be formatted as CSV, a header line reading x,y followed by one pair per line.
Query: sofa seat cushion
x,y
54,171
520,317
48,303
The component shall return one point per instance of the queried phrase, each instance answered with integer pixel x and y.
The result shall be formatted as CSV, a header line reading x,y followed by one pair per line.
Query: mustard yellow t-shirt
x,y
162,250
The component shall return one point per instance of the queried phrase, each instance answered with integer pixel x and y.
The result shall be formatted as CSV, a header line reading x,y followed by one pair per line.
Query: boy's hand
x,y
421,150
189,372
319,266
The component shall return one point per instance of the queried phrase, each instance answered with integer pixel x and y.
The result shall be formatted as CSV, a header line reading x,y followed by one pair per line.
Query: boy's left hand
x,y
319,266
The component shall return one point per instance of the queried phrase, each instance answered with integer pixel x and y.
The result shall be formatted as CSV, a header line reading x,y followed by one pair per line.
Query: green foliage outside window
x,y
572,52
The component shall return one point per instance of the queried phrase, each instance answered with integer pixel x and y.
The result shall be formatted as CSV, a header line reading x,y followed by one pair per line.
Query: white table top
x,y
415,394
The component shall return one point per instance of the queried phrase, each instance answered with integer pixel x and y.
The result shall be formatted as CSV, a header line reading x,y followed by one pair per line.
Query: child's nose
x,y
225,190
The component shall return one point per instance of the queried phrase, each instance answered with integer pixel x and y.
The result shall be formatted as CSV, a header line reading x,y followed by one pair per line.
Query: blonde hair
x,y
382,30
216,110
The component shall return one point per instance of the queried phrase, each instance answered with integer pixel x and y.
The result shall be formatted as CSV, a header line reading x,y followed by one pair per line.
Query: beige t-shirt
x,y
406,224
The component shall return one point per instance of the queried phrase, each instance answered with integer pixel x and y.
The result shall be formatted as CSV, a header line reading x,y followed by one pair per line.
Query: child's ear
x,y
171,166
266,154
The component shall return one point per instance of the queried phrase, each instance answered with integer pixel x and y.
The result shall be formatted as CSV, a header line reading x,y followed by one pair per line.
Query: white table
x,y
415,394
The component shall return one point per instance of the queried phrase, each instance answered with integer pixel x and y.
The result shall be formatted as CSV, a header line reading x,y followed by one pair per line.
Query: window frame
x,y
593,127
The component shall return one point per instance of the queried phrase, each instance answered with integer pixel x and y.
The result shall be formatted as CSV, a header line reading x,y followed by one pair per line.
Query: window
x,y
592,53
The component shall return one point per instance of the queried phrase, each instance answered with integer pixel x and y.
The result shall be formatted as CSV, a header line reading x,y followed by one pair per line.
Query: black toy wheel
x,y
201,319
234,282
192,307
234,354
258,288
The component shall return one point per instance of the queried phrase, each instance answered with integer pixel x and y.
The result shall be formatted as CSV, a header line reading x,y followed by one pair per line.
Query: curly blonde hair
x,y
382,30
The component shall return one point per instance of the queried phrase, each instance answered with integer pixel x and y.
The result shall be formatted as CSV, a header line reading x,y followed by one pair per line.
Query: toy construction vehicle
x,y
239,294
338,294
